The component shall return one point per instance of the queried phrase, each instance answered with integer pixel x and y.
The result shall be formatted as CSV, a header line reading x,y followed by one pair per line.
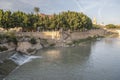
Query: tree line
x,y
112,26
28,21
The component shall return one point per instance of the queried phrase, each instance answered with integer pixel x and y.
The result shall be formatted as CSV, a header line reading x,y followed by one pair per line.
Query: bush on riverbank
x,y
95,26
112,26
8,37
33,41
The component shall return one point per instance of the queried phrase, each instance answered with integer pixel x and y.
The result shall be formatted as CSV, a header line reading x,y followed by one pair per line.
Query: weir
x,y
12,62
20,58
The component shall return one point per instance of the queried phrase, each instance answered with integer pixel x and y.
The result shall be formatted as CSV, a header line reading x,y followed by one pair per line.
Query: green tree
x,y
65,20
6,21
110,26
1,17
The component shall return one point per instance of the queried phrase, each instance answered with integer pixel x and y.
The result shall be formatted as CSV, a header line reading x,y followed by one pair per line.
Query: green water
x,y
98,60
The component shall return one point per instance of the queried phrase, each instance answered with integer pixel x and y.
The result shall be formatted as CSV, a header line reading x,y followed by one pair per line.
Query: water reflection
x,y
53,55
71,55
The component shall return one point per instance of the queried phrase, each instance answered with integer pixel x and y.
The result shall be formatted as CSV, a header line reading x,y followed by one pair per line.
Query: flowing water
x,y
98,60
20,58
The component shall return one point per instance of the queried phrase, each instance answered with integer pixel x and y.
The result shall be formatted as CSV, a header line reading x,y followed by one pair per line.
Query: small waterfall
x,y
20,58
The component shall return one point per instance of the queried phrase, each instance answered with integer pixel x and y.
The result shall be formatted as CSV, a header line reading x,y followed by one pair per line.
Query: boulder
x,y
28,48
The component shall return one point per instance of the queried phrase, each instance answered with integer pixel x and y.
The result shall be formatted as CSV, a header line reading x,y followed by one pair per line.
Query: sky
x,y
105,11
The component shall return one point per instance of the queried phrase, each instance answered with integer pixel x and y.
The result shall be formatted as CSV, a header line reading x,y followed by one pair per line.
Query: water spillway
x,y
20,58
13,62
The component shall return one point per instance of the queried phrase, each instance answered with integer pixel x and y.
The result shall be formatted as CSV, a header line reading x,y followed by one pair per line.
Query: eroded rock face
x,y
28,48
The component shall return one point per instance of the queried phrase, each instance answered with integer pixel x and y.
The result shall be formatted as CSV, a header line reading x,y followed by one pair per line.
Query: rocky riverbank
x,y
29,44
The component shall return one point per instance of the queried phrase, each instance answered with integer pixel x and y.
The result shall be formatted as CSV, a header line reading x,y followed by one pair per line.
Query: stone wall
x,y
43,35
83,35
57,35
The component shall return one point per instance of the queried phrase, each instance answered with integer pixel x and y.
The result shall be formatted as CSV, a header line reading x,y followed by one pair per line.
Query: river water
x,y
96,60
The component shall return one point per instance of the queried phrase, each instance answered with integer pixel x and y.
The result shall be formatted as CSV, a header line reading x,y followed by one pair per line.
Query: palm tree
x,y
36,9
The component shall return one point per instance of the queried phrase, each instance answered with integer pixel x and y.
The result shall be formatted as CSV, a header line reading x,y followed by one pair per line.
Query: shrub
x,y
14,40
111,26
8,37
96,26
33,41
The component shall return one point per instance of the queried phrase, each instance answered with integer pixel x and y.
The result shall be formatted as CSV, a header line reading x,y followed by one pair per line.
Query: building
x,y
45,15
94,21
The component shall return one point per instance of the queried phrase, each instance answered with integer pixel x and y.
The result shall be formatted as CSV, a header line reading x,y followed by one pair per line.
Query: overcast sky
x,y
106,11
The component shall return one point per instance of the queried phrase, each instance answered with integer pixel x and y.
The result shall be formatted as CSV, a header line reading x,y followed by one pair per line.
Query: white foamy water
x,y
20,59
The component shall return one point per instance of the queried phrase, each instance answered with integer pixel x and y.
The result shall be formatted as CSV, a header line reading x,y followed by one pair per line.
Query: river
x,y
96,60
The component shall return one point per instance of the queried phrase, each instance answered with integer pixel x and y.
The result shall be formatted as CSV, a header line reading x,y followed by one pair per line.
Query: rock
x,y
28,48
9,46
44,42
23,47
37,46
31,50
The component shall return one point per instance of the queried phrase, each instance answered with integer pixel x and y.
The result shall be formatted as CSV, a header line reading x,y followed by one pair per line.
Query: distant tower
x,y
94,20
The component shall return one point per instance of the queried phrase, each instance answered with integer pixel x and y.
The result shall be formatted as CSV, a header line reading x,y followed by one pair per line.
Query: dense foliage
x,y
66,20
112,26
95,26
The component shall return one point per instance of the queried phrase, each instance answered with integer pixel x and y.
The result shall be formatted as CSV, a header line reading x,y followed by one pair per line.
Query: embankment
x,y
43,39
